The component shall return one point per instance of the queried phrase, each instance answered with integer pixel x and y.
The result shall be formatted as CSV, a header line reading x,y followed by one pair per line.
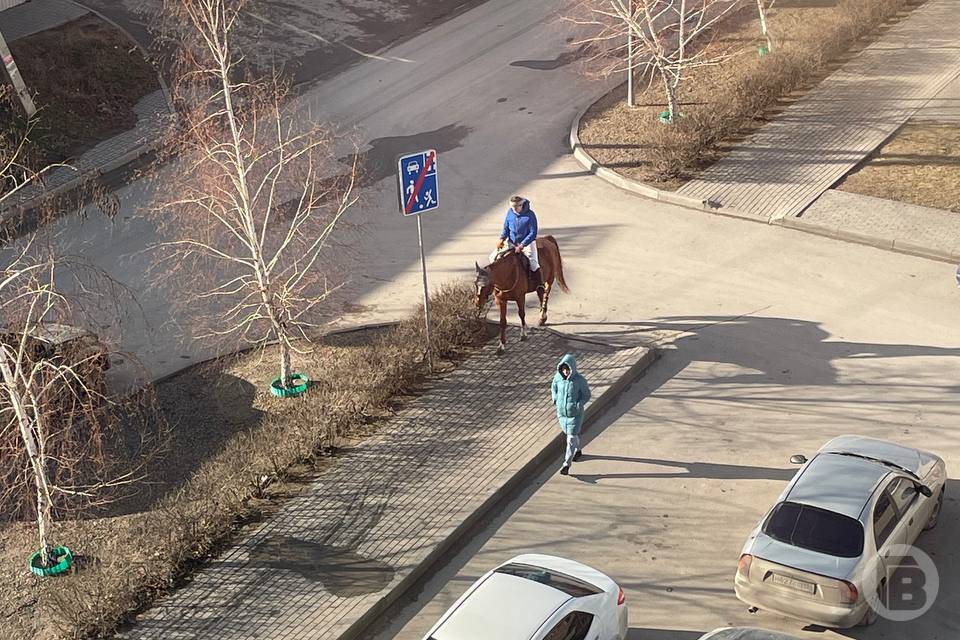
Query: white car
x,y
537,597
824,552
745,633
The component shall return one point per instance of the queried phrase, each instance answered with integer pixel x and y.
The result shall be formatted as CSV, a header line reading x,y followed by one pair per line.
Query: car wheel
x,y
935,516
870,615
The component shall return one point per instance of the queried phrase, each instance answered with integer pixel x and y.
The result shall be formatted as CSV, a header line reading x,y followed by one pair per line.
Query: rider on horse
x,y
520,233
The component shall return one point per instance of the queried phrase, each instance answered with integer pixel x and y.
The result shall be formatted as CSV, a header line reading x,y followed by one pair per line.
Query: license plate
x,y
793,583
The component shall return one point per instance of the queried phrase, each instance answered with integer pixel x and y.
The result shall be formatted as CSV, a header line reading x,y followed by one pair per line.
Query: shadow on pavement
x,y
702,470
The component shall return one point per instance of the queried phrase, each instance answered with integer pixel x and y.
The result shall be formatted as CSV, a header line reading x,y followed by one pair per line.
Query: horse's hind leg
x,y
523,320
544,300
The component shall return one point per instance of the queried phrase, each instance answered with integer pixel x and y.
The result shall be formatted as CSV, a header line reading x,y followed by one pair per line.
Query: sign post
x,y
419,193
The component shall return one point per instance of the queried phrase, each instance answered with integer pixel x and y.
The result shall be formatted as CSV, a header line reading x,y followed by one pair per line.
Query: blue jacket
x,y
570,395
520,228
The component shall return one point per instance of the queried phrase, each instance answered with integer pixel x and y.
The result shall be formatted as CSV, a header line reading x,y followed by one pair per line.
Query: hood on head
x,y
570,361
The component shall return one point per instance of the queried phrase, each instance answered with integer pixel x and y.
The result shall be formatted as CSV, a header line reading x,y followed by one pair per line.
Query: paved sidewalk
x,y
784,167
338,553
38,15
153,112
883,223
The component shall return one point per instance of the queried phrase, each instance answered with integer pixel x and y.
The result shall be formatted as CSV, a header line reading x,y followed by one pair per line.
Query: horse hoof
x,y
543,321
500,350
523,338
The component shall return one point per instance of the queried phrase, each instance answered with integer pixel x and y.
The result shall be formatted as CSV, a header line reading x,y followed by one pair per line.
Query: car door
x,y
910,504
575,625
889,529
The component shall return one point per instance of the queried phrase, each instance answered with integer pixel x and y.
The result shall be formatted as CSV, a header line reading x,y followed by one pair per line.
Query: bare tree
x,y
252,209
670,37
61,431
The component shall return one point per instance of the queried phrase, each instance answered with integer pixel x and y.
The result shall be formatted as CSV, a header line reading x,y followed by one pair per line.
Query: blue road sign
x,y
419,189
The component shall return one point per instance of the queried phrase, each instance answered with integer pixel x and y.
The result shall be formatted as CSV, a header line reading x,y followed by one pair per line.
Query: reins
x,y
497,290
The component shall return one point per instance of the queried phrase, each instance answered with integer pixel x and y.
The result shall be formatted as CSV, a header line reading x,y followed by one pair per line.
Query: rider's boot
x,y
538,280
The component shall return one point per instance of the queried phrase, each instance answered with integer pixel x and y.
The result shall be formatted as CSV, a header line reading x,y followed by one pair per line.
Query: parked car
x,y
63,344
745,633
826,543
537,597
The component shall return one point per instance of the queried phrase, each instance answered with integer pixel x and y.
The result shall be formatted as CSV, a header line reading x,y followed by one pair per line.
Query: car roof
x,y
52,332
880,449
502,606
837,483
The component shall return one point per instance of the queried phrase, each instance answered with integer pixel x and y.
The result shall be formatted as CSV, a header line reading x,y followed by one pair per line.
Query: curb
x,y
590,163
509,486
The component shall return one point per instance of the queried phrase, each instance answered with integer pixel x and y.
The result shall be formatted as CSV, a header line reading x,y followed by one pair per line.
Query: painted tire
x,y
64,559
301,383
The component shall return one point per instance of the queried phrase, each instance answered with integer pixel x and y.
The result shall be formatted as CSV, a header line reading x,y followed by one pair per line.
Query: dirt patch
x,y
722,104
919,165
237,453
86,77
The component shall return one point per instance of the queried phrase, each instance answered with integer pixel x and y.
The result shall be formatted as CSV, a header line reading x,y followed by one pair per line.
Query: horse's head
x,y
483,286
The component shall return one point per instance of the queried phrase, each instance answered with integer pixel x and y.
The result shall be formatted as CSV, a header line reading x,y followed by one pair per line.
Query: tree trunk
x,y
763,25
672,105
34,453
286,376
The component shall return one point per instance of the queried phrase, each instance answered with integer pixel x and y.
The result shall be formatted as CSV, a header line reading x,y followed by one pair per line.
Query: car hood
x,y
765,547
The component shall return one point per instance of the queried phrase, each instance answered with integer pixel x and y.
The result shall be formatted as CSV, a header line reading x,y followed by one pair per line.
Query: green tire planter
x,y
63,557
300,384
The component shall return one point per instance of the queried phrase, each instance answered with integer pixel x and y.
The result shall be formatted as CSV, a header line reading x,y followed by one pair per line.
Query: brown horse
x,y
507,278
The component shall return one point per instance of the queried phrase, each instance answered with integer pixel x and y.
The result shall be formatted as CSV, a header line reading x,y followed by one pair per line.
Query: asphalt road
x,y
774,340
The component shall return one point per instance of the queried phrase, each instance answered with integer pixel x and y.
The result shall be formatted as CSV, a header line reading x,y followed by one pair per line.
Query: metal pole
x,y
16,79
630,57
426,294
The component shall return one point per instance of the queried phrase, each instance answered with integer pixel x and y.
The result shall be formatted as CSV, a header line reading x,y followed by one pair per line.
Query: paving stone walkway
x,y
153,111
38,15
786,165
886,224
347,545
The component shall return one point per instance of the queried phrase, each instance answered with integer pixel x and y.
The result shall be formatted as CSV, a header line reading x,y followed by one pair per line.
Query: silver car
x,y
537,597
745,633
824,551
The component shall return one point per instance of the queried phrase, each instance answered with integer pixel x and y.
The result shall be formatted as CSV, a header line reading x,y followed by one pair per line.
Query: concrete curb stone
x,y
589,163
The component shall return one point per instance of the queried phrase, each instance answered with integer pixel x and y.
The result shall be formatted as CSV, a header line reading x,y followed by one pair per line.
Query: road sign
x,y
417,175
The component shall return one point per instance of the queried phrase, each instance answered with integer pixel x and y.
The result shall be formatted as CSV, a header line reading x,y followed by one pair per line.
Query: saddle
x,y
533,282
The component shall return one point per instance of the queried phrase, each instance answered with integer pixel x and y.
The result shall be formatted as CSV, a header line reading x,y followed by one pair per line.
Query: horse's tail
x,y
560,279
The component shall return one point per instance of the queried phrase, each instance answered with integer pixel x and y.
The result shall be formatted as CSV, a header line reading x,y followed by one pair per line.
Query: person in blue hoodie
x,y
520,231
570,393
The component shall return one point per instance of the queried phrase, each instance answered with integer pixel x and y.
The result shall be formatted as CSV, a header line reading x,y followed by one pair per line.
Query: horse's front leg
x,y
543,303
503,326
522,312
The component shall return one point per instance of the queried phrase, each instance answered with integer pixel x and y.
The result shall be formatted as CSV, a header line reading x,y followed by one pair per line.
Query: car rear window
x,y
567,584
815,529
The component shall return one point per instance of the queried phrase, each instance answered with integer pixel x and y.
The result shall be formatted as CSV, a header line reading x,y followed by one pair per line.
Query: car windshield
x,y
567,584
815,529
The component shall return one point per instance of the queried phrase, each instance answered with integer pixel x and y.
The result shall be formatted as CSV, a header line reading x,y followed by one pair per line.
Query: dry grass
x,y
237,452
86,77
723,103
920,165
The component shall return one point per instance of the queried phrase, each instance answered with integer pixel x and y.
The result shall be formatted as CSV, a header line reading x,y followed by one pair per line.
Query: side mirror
x,y
798,459
924,490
